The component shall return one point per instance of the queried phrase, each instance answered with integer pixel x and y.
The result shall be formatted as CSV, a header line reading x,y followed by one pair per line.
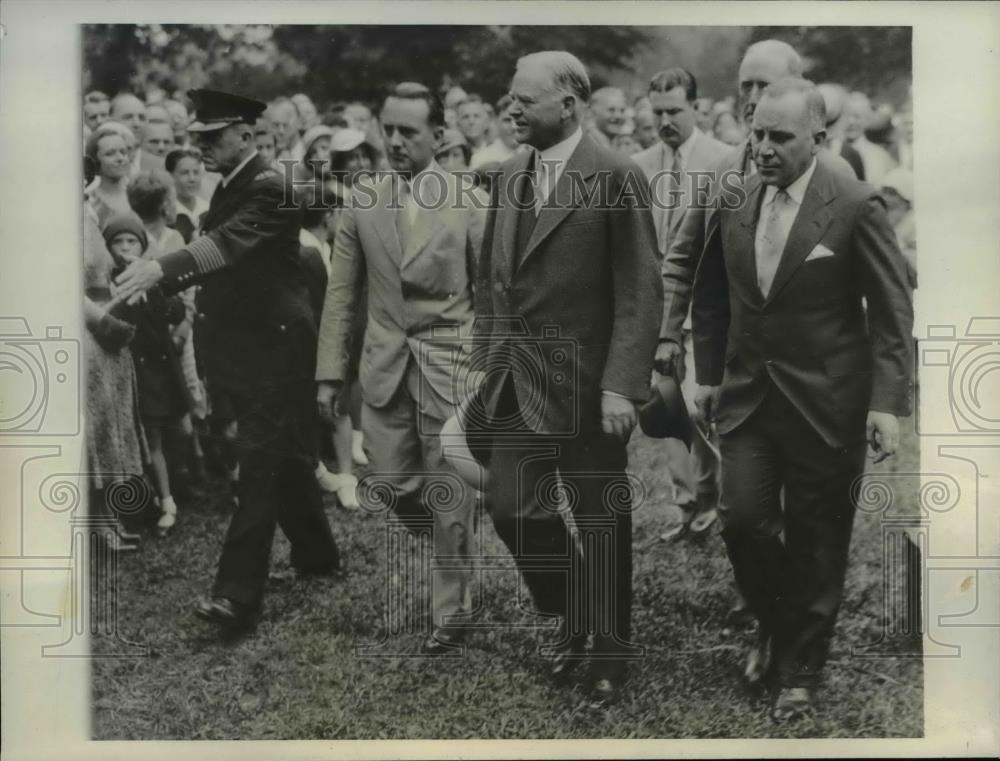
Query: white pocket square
x,y
820,252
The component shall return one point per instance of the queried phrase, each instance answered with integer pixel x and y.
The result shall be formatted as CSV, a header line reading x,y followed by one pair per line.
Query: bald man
x,y
607,113
802,319
764,62
127,109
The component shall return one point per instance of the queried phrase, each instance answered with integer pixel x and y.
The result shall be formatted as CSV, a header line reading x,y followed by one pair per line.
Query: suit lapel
x,y
224,197
810,224
563,199
428,220
744,233
508,208
385,220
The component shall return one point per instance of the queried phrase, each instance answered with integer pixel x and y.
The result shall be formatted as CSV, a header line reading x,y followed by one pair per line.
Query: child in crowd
x,y
160,383
318,227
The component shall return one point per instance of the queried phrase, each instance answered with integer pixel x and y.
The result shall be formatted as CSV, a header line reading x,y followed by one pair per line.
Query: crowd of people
x,y
286,347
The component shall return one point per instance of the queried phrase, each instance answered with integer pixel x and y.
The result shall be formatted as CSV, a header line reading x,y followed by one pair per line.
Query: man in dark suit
x,y
801,318
258,345
568,309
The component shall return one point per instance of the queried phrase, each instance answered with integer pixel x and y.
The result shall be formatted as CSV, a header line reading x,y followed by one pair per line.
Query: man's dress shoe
x,y
444,641
792,703
225,613
604,692
565,656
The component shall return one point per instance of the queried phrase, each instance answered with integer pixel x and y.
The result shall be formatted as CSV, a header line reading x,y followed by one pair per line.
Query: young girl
x,y
161,384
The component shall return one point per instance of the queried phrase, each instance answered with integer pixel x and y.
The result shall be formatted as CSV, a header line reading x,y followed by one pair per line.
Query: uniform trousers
x,y
276,443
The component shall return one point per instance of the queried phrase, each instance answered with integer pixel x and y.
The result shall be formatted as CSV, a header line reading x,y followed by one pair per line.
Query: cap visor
x,y
208,126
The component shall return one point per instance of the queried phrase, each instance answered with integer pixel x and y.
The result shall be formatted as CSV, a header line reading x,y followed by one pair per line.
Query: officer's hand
x,y
883,435
706,401
326,399
666,357
138,277
617,415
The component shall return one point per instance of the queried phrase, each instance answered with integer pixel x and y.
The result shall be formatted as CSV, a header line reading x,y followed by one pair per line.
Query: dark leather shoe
x,y
564,659
792,703
758,663
226,613
444,641
604,692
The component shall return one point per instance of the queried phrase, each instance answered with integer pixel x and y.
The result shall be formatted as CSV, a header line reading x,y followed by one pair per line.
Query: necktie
x,y
526,215
540,178
772,243
673,199
402,215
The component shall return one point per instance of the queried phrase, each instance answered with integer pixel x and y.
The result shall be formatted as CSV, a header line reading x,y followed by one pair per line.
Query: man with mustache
x,y
670,165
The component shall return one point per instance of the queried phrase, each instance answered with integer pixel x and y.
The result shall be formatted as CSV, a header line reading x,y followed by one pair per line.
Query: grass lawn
x,y
299,677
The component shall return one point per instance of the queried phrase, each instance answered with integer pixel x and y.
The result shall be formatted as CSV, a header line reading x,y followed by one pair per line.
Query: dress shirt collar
x,y
229,177
556,156
683,150
796,190
200,207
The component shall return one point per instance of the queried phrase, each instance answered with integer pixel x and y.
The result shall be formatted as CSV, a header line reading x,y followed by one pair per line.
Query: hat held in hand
x,y
664,415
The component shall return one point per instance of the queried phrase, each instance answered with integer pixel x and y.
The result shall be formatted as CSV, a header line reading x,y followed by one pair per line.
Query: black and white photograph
x,y
547,380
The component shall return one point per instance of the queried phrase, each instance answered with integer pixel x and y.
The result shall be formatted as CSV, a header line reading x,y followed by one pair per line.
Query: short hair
x,y
146,193
471,98
604,92
503,104
668,79
835,98
95,96
102,131
119,97
778,49
815,106
567,71
417,91
174,157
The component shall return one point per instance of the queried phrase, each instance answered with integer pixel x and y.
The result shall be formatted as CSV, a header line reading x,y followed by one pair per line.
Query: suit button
x,y
498,287
281,328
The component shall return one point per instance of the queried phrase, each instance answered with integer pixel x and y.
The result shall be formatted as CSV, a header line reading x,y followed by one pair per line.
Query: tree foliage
x,y
344,62
877,60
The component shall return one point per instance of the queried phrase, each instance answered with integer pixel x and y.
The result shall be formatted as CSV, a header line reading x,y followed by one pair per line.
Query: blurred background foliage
x,y
355,62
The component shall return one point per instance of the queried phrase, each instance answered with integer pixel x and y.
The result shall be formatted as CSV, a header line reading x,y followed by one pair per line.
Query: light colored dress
x,y
116,443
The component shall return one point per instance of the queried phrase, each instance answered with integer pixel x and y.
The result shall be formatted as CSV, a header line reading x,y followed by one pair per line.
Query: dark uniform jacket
x,y
256,326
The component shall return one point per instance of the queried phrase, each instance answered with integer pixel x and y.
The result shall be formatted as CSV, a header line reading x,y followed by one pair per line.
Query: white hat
x,y
347,139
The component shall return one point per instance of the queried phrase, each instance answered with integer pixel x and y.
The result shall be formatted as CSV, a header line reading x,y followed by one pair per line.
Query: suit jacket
x,y
420,300
576,311
813,337
705,154
699,220
255,325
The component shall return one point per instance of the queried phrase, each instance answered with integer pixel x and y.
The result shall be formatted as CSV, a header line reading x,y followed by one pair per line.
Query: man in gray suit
x,y
415,235
672,166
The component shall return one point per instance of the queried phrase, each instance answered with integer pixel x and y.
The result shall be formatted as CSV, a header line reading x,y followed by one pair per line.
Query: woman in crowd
x,y
185,167
110,149
115,441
